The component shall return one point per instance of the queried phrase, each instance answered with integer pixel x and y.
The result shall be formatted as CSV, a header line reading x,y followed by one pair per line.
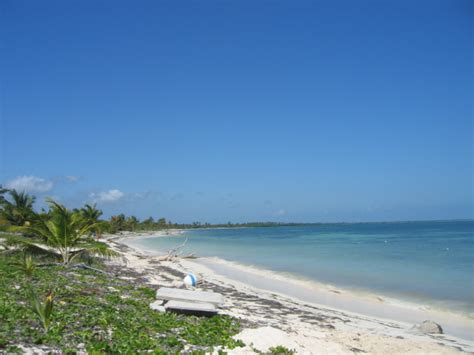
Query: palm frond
x,y
30,245
92,249
64,231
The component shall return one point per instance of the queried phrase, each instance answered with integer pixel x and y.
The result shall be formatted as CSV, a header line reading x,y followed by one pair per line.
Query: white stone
x,y
158,306
429,327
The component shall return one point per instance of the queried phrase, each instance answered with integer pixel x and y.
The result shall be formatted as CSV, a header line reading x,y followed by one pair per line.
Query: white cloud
x,y
280,212
30,184
107,196
72,178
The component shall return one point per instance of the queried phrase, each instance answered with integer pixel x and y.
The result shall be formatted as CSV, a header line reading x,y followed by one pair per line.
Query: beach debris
x,y
429,327
173,294
158,306
174,253
195,308
189,256
199,303
87,267
190,280
178,284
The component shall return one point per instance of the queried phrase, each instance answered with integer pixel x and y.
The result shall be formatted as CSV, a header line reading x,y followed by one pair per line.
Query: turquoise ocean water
x,y
425,262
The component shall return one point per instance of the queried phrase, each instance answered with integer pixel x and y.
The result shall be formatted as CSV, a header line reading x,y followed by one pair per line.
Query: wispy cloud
x,y
29,184
280,212
107,196
143,195
72,178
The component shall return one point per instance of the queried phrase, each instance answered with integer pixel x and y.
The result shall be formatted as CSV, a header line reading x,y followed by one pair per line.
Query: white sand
x,y
336,298
283,316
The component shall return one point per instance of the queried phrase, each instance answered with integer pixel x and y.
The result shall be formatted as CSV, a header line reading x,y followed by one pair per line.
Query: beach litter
x,y
187,302
190,280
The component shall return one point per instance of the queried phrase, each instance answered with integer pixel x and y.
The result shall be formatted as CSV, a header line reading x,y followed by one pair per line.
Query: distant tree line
x,y
16,209
122,222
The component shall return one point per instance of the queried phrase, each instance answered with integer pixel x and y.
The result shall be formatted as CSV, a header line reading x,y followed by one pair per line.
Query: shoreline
x,y
361,303
358,317
365,302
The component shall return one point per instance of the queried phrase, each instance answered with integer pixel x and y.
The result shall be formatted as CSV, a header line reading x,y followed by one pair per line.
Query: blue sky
x,y
241,111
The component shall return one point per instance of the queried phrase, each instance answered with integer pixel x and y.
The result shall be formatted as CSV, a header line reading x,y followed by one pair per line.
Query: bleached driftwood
x,y
189,256
87,267
174,253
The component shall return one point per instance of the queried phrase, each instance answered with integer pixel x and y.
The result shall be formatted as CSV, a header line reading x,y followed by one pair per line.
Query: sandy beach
x,y
273,316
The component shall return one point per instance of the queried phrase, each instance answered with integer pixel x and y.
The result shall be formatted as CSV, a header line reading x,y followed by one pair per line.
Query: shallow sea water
x,y
425,262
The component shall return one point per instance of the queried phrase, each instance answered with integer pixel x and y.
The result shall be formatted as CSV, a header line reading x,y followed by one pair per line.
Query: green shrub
x,y
43,310
281,350
28,265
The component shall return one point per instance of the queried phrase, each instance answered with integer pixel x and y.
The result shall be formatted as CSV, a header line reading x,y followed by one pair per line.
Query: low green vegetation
x,y
281,350
44,310
67,309
49,301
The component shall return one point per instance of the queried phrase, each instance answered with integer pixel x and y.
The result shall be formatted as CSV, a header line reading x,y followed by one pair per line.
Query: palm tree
x,y
117,223
22,199
3,191
148,223
64,234
3,203
91,214
132,222
162,223
19,211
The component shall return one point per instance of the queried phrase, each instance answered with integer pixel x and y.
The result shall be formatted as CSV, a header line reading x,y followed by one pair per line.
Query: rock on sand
x,y
429,327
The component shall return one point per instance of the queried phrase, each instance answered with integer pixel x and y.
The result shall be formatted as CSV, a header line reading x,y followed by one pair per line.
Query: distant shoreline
x,y
276,225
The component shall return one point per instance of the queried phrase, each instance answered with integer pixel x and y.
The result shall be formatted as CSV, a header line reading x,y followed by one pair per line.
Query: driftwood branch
x,y
175,252
189,256
87,267
74,266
